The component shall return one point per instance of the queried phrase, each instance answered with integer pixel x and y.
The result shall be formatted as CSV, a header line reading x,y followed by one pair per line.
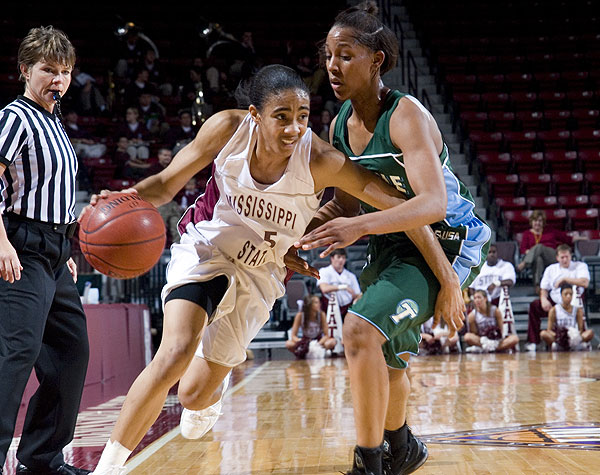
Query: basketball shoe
x,y
194,424
358,465
408,455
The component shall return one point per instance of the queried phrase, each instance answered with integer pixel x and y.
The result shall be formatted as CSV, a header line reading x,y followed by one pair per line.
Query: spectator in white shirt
x,y
336,278
565,271
494,274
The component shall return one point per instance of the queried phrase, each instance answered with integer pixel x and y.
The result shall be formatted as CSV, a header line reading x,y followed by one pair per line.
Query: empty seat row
x,y
528,101
534,140
551,161
499,120
543,184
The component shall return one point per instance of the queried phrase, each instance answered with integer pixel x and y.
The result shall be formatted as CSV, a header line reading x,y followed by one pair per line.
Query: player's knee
x,y
194,395
357,334
172,360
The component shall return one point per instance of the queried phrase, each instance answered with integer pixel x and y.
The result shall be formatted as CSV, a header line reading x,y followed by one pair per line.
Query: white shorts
x,y
245,306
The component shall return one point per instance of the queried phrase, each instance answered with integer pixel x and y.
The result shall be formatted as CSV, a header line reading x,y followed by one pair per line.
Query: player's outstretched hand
x,y
450,306
102,195
295,263
337,233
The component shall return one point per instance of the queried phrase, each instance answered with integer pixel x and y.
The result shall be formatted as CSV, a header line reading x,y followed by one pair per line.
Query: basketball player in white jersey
x,y
228,269
562,317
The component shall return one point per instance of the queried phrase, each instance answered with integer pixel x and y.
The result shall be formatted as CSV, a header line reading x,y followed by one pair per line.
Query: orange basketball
x,y
123,236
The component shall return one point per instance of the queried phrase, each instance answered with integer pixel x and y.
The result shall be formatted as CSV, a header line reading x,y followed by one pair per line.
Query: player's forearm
x,y
330,210
431,250
411,214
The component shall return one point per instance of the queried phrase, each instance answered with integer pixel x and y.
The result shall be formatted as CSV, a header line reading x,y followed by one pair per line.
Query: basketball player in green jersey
x,y
394,135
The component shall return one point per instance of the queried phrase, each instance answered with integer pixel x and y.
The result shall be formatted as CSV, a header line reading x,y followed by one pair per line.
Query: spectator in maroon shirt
x,y
538,246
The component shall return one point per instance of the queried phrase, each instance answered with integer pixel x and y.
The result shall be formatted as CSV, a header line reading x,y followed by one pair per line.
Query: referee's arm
x,y
10,266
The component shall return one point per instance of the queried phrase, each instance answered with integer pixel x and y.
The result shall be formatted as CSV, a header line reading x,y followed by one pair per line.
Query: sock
x,y
114,454
398,440
371,458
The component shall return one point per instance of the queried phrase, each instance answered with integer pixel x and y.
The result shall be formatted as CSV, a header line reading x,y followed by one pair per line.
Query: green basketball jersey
x,y
382,157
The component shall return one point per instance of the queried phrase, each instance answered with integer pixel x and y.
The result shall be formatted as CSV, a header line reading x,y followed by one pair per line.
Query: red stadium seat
x,y
492,82
516,221
586,138
574,201
554,139
587,118
557,218
557,119
547,81
581,99
554,100
520,140
512,203
525,101
487,141
503,184
590,159
583,218
496,100
592,182
594,200
529,119
529,162
561,161
468,101
502,120
539,184
495,162
542,202
519,81
568,183
475,120
461,83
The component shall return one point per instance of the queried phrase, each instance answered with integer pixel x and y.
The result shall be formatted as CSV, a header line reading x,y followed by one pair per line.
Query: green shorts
x,y
400,291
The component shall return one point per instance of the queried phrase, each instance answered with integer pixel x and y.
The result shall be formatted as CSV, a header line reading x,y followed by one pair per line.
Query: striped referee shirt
x,y
41,165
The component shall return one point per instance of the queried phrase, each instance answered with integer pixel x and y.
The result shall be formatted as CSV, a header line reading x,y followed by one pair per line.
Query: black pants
x,y
42,326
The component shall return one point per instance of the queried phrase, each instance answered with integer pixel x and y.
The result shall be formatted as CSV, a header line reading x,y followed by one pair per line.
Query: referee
x,y
42,323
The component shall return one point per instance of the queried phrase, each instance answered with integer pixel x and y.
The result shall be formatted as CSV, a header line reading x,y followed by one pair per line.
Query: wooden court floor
x,y
480,414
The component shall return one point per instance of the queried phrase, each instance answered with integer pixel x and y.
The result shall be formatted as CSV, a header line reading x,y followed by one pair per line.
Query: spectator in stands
x,y
120,156
435,341
311,319
135,89
325,124
336,278
83,142
190,193
180,135
152,113
129,53
566,326
538,245
156,76
86,94
494,274
565,271
485,327
136,133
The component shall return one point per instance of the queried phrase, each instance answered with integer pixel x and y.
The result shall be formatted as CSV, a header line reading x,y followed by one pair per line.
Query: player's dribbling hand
x,y
295,263
450,306
102,195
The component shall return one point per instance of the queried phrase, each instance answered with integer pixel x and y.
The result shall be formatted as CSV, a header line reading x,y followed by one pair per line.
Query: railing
x,y
394,23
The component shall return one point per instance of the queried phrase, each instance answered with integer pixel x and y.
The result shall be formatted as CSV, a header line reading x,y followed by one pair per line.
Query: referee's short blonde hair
x,y
45,43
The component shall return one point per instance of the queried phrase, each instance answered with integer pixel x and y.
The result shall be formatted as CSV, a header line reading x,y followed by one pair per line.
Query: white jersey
x,y
564,318
252,223
485,322
503,270
242,229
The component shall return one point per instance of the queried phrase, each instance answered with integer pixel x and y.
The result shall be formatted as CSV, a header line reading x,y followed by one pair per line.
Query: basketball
x,y
123,236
